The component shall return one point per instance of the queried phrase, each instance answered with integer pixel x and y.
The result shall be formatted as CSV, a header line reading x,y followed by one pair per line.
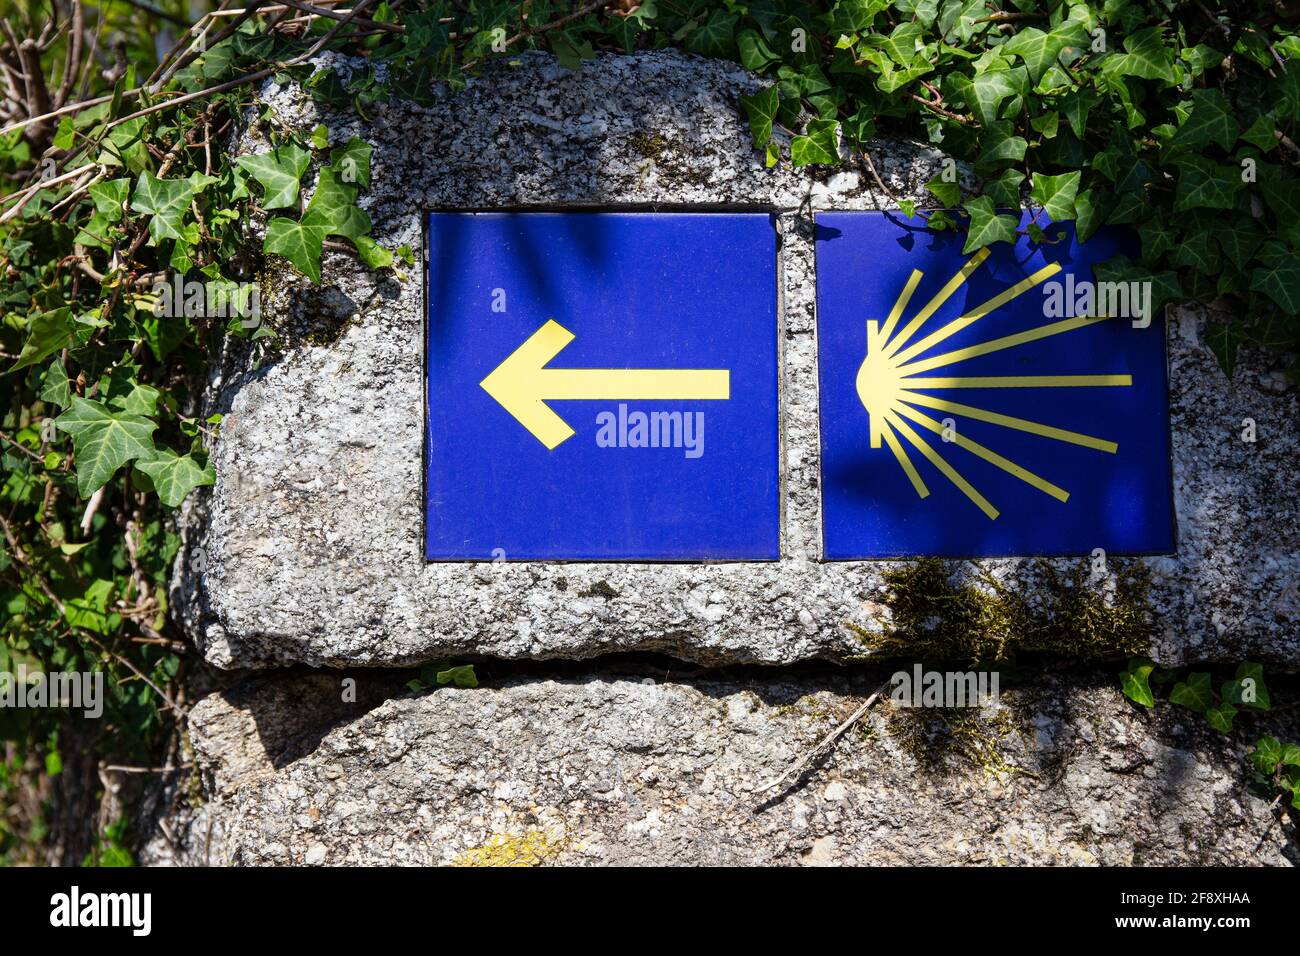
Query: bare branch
x,y
339,14
38,94
72,62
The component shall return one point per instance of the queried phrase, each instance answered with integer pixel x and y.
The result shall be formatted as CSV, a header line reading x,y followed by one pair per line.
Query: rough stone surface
x,y
309,548
607,771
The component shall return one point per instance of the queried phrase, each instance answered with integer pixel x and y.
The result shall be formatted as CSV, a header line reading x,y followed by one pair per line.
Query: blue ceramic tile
x,y
602,386
1056,426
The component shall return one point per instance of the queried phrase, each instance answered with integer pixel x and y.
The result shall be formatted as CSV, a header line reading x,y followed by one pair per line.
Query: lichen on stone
x,y
531,848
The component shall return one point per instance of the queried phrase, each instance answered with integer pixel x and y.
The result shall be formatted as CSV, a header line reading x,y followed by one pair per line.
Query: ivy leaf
x,y
818,146
103,441
1132,207
299,242
755,54
163,334
1267,755
279,172
1239,237
948,194
1278,277
175,476
761,109
372,254
109,198
1194,693
218,62
988,90
1075,108
184,245
1229,280
1220,717
849,16
1262,133
1288,108
1197,250
1047,124
1148,58
958,20
986,226
1001,146
47,332
462,676
353,162
1283,197
623,29
900,43
139,400
570,50
859,127
1247,688
1211,121
1205,184
94,233
54,385
1223,338
1135,682
1199,253
1056,194
334,206
89,609
1088,215
1005,190
1200,58
1136,177
66,134
714,37
168,201
1037,49
200,181
125,146
891,80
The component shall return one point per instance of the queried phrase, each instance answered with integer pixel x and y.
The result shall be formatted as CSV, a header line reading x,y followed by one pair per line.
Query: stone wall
x,y
312,544
308,551
619,769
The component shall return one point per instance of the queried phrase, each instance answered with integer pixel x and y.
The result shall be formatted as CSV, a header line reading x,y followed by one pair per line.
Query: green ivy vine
x,y
1274,765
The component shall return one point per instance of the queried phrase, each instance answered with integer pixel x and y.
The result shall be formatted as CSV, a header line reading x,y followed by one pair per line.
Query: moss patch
x,y
600,589
649,144
671,158
940,615
941,739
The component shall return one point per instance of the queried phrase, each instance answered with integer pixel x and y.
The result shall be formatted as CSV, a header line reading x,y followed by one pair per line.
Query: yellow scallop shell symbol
x,y
892,393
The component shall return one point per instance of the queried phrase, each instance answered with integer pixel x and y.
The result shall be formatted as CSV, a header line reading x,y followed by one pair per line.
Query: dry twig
x,y
826,742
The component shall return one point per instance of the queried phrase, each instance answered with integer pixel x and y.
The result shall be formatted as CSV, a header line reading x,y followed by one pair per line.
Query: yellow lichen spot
x,y
529,849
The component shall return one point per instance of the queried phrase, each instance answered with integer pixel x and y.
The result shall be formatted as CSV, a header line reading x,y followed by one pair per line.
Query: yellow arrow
x,y
522,384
